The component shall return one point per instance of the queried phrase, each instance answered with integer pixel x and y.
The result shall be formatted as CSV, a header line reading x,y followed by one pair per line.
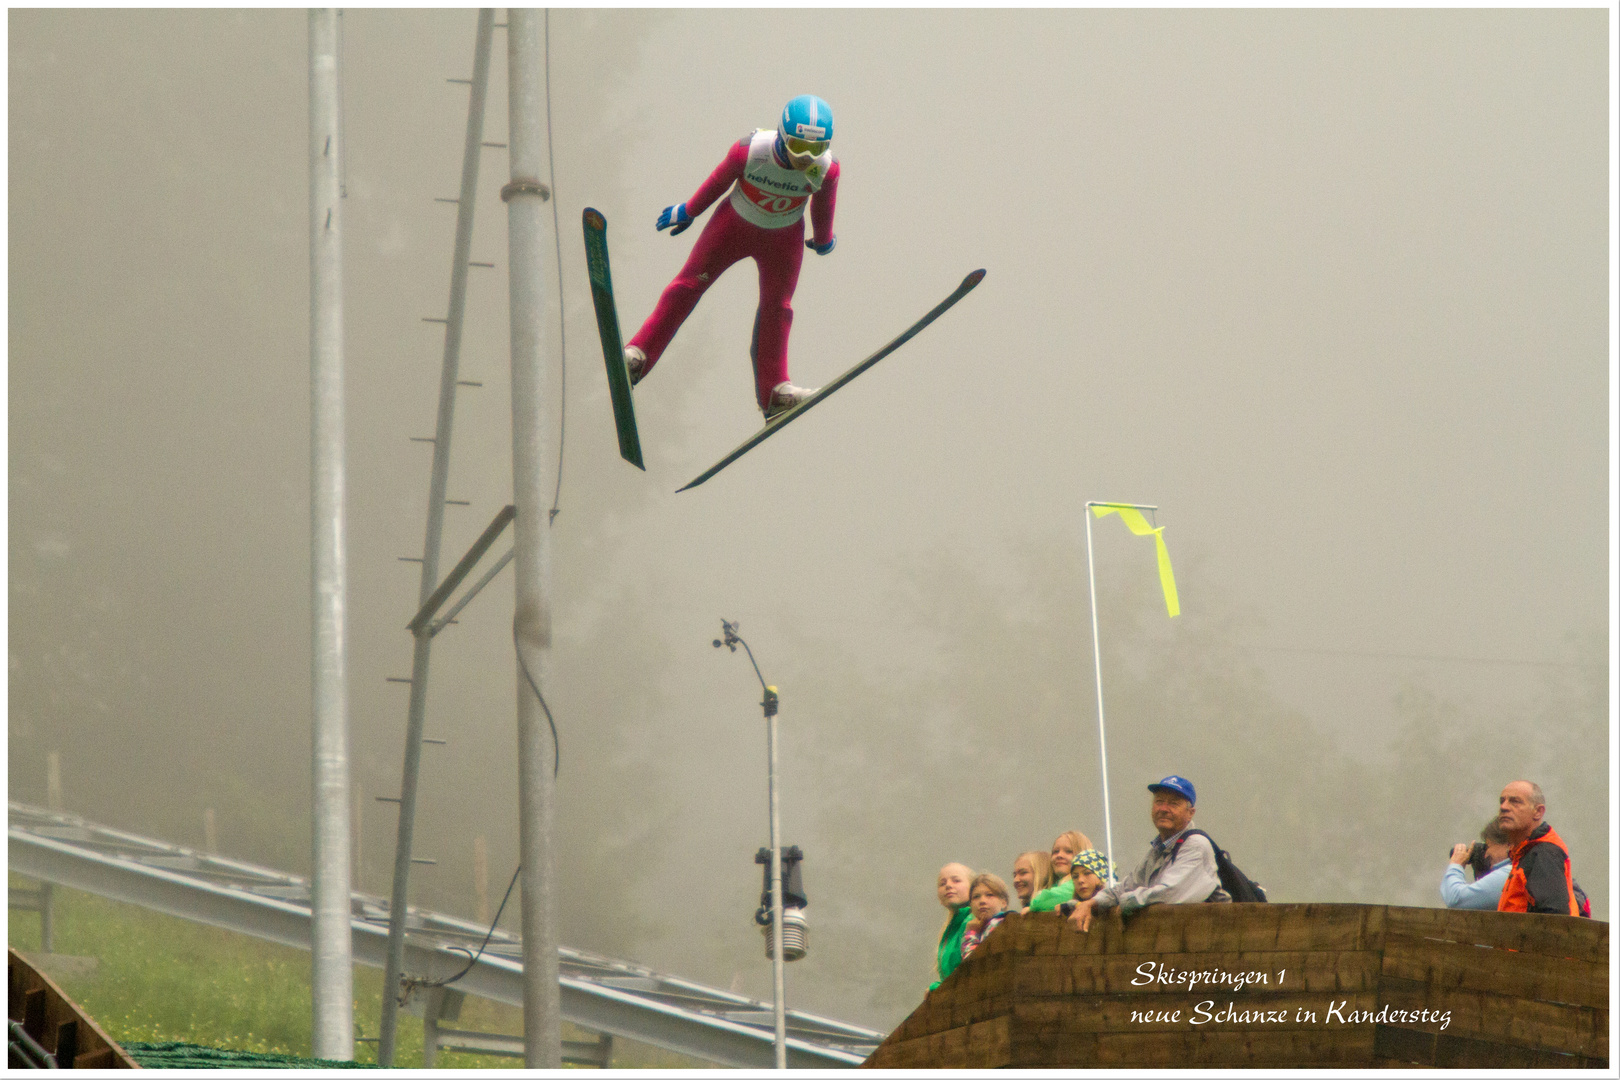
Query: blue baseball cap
x,y
1178,784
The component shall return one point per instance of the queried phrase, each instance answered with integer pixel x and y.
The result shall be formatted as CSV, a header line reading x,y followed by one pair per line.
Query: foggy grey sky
x,y
1329,287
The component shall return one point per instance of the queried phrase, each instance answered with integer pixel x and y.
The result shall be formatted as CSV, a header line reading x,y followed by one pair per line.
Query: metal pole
x,y
332,978
472,152
416,719
531,624
1102,731
771,704
778,962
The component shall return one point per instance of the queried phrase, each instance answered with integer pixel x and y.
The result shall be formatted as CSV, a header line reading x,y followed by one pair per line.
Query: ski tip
x,y
973,279
595,220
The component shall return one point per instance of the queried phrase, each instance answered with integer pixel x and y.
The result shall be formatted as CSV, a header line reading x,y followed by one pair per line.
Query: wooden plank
x,y
103,1058
1460,1053
1294,927
980,1046
909,1028
1513,974
1186,1012
951,1049
912,1026
1199,928
1541,1025
35,1005
899,1054
987,971
969,1013
65,1047
1343,1047
1286,972
1035,933
1455,1052
969,995
52,1018
1403,1044
936,1008
989,1045
1545,935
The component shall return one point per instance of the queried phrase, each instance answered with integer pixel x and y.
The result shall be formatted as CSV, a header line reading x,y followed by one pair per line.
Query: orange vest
x,y
1516,893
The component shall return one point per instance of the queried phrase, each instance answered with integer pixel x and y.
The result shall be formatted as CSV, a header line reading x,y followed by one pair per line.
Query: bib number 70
x,y
772,203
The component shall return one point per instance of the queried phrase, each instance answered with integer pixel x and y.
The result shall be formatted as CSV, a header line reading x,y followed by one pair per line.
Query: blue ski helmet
x,y
806,119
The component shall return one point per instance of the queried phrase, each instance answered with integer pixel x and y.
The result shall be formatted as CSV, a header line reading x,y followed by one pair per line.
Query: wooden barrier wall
x,y
53,1021
1277,986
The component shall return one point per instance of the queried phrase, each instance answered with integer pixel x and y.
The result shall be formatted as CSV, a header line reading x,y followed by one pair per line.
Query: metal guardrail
x,y
598,993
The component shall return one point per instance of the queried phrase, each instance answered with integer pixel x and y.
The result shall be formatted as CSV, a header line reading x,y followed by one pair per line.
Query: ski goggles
x,y
798,147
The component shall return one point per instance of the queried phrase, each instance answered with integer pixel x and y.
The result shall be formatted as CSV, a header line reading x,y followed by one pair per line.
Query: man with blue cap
x,y
1178,869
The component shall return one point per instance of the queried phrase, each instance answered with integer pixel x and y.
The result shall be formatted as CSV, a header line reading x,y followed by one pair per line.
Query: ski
x,y
607,325
804,406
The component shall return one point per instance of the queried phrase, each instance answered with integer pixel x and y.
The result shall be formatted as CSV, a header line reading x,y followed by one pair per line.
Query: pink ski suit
x,y
763,220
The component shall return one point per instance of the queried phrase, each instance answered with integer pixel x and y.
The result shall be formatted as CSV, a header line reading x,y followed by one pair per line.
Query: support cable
x,y
408,985
556,749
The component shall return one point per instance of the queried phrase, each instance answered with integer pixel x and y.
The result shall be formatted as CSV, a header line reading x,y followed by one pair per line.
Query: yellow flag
x,y
1134,521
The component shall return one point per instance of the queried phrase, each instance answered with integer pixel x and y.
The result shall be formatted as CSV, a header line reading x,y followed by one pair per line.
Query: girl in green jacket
x,y
955,881
1064,849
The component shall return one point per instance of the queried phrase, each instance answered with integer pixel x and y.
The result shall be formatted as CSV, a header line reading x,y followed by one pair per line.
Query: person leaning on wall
x,y
987,899
1064,849
1541,880
954,887
1178,869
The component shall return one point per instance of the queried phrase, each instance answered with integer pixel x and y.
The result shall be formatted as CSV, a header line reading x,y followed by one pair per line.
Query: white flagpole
x,y
1096,648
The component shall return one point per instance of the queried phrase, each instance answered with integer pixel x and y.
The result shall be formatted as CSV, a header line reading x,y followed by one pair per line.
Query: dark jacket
x,y
1541,878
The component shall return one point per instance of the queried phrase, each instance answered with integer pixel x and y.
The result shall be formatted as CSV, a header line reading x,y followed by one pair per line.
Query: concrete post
x,y
533,441
332,981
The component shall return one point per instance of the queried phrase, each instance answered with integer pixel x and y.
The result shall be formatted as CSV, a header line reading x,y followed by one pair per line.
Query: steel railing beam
x,y
240,905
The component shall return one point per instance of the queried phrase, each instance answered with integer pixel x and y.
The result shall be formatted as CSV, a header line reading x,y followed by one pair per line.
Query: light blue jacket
x,y
1482,895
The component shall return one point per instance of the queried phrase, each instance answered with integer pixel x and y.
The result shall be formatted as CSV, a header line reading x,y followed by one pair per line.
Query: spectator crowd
x,y
1520,864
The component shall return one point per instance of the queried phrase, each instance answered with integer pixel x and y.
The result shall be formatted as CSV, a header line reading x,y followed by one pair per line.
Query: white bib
x,y
769,195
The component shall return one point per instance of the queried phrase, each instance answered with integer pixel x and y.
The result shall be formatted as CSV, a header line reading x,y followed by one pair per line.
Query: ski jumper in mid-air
x,y
773,176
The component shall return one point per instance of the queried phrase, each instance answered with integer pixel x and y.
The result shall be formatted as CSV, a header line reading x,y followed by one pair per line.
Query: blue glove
x,y
821,249
677,216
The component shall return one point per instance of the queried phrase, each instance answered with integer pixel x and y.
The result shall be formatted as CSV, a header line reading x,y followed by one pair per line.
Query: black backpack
x,y
1239,886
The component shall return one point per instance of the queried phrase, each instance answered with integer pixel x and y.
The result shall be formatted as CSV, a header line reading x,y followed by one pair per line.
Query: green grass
x,y
162,979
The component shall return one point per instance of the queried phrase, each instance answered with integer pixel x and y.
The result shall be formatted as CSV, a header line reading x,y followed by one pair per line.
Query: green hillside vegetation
x,y
161,979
